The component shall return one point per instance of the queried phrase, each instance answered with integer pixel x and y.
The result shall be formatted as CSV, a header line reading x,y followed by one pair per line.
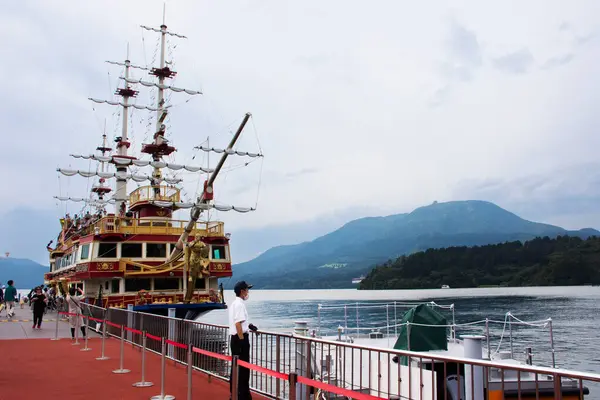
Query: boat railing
x,y
354,326
155,193
332,366
115,224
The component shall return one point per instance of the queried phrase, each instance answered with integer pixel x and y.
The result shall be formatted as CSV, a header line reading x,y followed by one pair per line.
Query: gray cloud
x,y
517,62
558,61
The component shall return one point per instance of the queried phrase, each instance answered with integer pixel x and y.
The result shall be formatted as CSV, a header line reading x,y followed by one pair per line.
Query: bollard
x,y
87,333
76,342
163,358
56,331
234,378
143,382
190,367
122,370
102,356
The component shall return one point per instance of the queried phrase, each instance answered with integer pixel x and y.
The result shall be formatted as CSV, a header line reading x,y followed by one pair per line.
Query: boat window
x,y
156,250
131,250
106,286
166,283
135,285
107,250
218,252
114,286
200,283
85,251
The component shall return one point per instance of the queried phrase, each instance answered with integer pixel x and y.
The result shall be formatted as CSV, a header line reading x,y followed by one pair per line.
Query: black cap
x,y
241,285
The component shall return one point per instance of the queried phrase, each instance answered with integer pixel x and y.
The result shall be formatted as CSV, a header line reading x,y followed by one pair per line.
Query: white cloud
x,y
387,106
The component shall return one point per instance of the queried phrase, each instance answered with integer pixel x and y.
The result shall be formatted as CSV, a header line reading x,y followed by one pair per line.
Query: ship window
x,y
166,283
156,250
114,286
131,250
218,252
135,285
200,283
106,286
85,251
107,250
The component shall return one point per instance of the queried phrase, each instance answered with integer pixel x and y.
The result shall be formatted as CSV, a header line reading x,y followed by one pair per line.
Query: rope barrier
x,y
266,371
336,389
176,344
211,354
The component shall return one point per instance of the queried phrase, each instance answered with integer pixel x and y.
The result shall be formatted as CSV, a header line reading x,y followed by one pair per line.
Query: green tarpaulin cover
x,y
422,338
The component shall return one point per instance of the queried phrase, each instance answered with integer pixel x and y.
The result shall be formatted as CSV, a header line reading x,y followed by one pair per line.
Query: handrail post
x,y
189,371
87,333
552,344
122,370
77,326
163,358
143,382
293,380
56,330
234,378
102,356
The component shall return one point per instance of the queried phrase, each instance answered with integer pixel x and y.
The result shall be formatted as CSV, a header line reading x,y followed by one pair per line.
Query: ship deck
x,y
80,375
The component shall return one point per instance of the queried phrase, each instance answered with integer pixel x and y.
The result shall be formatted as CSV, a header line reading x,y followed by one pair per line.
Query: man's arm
x,y
238,328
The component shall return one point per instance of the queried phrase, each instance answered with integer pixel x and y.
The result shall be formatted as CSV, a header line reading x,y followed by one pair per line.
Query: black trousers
x,y
241,348
37,317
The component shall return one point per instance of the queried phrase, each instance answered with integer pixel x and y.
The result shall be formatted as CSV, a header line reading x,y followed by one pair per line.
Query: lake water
x,y
574,312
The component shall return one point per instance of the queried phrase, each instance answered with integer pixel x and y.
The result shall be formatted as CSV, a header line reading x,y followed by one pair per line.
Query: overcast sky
x,y
361,108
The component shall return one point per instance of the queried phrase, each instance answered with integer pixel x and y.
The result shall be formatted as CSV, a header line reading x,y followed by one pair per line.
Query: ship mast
x,y
122,142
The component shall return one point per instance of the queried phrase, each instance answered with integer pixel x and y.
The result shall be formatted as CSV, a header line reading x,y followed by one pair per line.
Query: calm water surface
x,y
574,313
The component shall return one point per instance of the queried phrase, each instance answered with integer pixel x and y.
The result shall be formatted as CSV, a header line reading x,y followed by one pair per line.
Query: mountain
x,y
332,260
562,261
26,273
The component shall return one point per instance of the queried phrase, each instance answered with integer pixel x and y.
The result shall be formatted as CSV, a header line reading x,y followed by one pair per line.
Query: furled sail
x,y
228,151
107,175
124,161
158,85
202,206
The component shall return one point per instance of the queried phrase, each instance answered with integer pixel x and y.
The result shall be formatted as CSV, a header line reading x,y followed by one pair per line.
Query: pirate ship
x,y
138,254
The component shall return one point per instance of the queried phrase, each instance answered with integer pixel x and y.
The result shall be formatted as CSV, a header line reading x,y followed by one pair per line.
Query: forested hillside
x,y
565,260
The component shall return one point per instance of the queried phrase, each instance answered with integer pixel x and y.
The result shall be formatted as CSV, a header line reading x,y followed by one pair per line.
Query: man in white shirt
x,y
240,344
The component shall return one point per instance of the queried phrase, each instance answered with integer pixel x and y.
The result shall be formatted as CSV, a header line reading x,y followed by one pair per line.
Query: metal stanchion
x,y
56,331
77,323
122,370
190,367
234,378
162,395
102,356
87,333
143,382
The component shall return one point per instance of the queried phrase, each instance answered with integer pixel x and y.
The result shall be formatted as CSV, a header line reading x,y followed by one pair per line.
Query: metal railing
x,y
329,369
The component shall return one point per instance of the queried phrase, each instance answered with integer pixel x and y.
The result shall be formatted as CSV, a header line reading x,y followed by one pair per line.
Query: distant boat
x,y
356,281
445,287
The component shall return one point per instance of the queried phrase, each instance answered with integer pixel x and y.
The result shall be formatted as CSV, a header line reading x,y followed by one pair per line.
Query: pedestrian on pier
x,y
239,327
10,295
38,304
74,302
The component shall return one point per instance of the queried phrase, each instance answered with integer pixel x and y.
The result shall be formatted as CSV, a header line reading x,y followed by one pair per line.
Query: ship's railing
x,y
156,193
114,224
330,368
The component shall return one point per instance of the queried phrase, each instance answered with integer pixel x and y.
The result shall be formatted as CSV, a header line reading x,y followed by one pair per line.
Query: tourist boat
x,y
423,329
137,255
356,281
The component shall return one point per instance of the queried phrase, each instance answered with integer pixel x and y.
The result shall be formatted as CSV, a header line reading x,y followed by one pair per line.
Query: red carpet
x,y
41,368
